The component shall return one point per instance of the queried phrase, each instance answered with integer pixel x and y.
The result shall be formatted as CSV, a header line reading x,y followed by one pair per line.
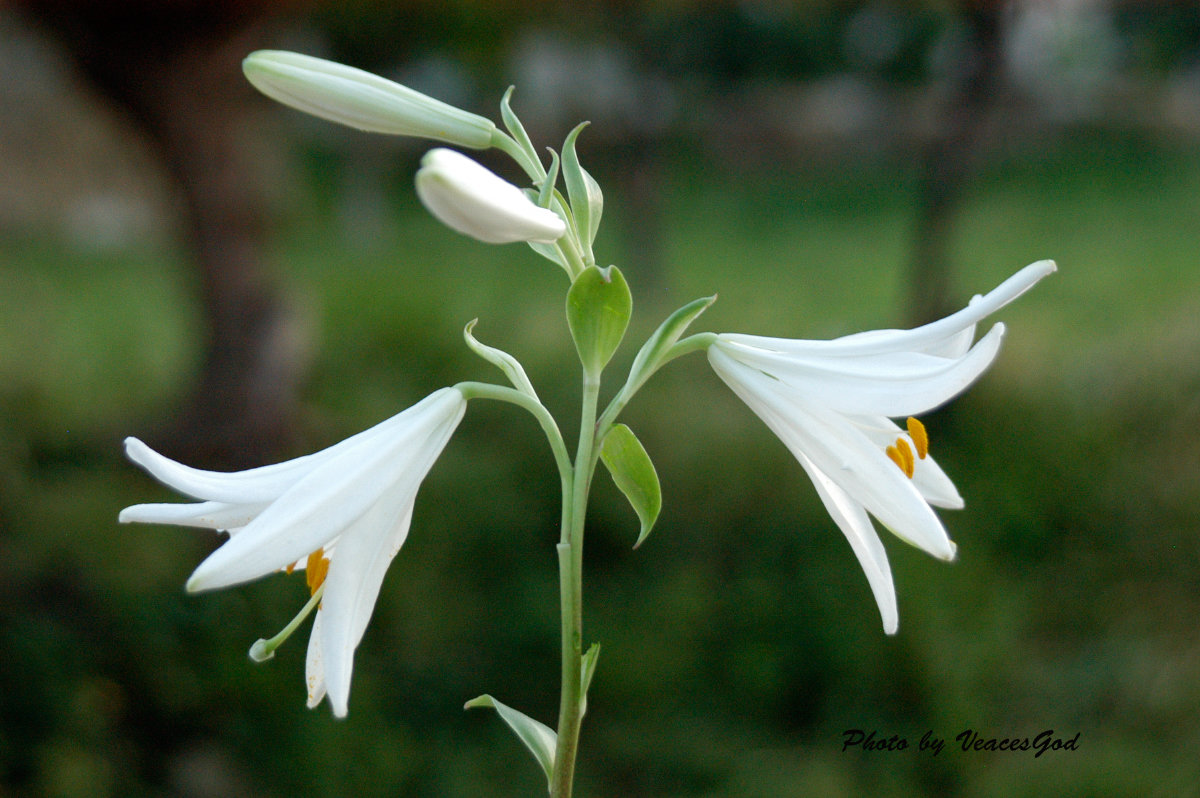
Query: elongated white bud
x,y
361,100
472,200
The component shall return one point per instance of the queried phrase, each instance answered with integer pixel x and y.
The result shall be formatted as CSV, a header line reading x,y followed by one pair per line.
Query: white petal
x,y
351,588
209,515
941,337
896,384
335,494
840,450
852,519
255,485
314,664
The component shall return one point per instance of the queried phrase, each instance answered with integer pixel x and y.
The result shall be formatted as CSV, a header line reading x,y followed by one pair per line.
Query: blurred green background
x,y
825,168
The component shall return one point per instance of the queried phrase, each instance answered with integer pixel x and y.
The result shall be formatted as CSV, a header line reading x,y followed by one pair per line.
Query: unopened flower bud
x,y
472,200
361,100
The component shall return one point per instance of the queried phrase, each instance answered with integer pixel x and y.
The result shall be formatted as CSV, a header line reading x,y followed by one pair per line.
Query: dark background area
x,y
236,283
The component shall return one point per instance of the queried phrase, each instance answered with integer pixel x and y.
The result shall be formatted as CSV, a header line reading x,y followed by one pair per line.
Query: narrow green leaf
x,y
598,310
546,193
539,738
501,360
587,201
649,356
630,466
589,670
516,129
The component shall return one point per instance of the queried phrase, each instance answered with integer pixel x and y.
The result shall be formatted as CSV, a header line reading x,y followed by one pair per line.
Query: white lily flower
x,y
362,100
830,402
342,512
474,201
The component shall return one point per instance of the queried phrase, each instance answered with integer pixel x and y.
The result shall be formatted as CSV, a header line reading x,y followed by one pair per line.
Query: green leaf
x,y
630,466
587,201
539,738
598,310
516,129
501,360
546,193
589,670
649,357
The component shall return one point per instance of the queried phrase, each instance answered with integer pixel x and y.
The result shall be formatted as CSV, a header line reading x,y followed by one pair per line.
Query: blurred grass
x,y
741,640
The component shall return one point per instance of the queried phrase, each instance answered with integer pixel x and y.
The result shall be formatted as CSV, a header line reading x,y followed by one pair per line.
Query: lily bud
x,y
472,200
361,100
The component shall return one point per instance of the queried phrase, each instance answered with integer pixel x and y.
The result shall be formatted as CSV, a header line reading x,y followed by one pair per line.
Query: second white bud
x,y
474,201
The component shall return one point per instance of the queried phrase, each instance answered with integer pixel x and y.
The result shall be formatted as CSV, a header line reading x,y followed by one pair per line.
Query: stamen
x,y
315,570
907,453
920,438
263,650
901,454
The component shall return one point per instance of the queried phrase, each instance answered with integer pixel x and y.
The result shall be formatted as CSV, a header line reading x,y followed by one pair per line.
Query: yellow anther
x,y
906,453
315,570
920,438
901,454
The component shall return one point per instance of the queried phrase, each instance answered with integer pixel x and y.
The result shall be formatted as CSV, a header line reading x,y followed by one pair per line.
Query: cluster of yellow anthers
x,y
315,569
902,454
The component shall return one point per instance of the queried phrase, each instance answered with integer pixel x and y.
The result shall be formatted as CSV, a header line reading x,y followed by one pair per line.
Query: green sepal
x,y
598,310
589,669
501,360
630,467
517,130
539,738
546,193
650,356
587,201
552,252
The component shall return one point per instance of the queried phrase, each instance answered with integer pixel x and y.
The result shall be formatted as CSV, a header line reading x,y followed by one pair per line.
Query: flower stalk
x,y
343,513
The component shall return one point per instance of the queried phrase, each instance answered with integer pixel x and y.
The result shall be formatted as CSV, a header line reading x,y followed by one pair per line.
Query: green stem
x,y
692,343
486,390
570,558
525,160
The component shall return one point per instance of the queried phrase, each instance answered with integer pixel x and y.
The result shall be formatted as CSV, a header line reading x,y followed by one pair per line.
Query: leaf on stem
x,y
589,669
598,310
539,738
587,201
501,360
630,467
649,357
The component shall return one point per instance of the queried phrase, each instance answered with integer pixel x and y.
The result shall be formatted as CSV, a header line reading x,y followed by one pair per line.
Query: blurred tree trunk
x,y
948,160
173,67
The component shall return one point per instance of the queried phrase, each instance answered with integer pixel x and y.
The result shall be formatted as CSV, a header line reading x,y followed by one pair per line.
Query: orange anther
x,y
906,452
920,438
315,570
901,455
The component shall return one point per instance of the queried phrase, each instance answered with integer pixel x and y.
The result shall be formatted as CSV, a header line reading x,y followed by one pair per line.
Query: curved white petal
x,y
895,384
351,588
265,483
941,337
840,450
852,519
209,515
314,664
335,494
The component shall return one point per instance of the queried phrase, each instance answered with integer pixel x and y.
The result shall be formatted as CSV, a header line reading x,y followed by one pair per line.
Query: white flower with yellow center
x,y
831,403
341,514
